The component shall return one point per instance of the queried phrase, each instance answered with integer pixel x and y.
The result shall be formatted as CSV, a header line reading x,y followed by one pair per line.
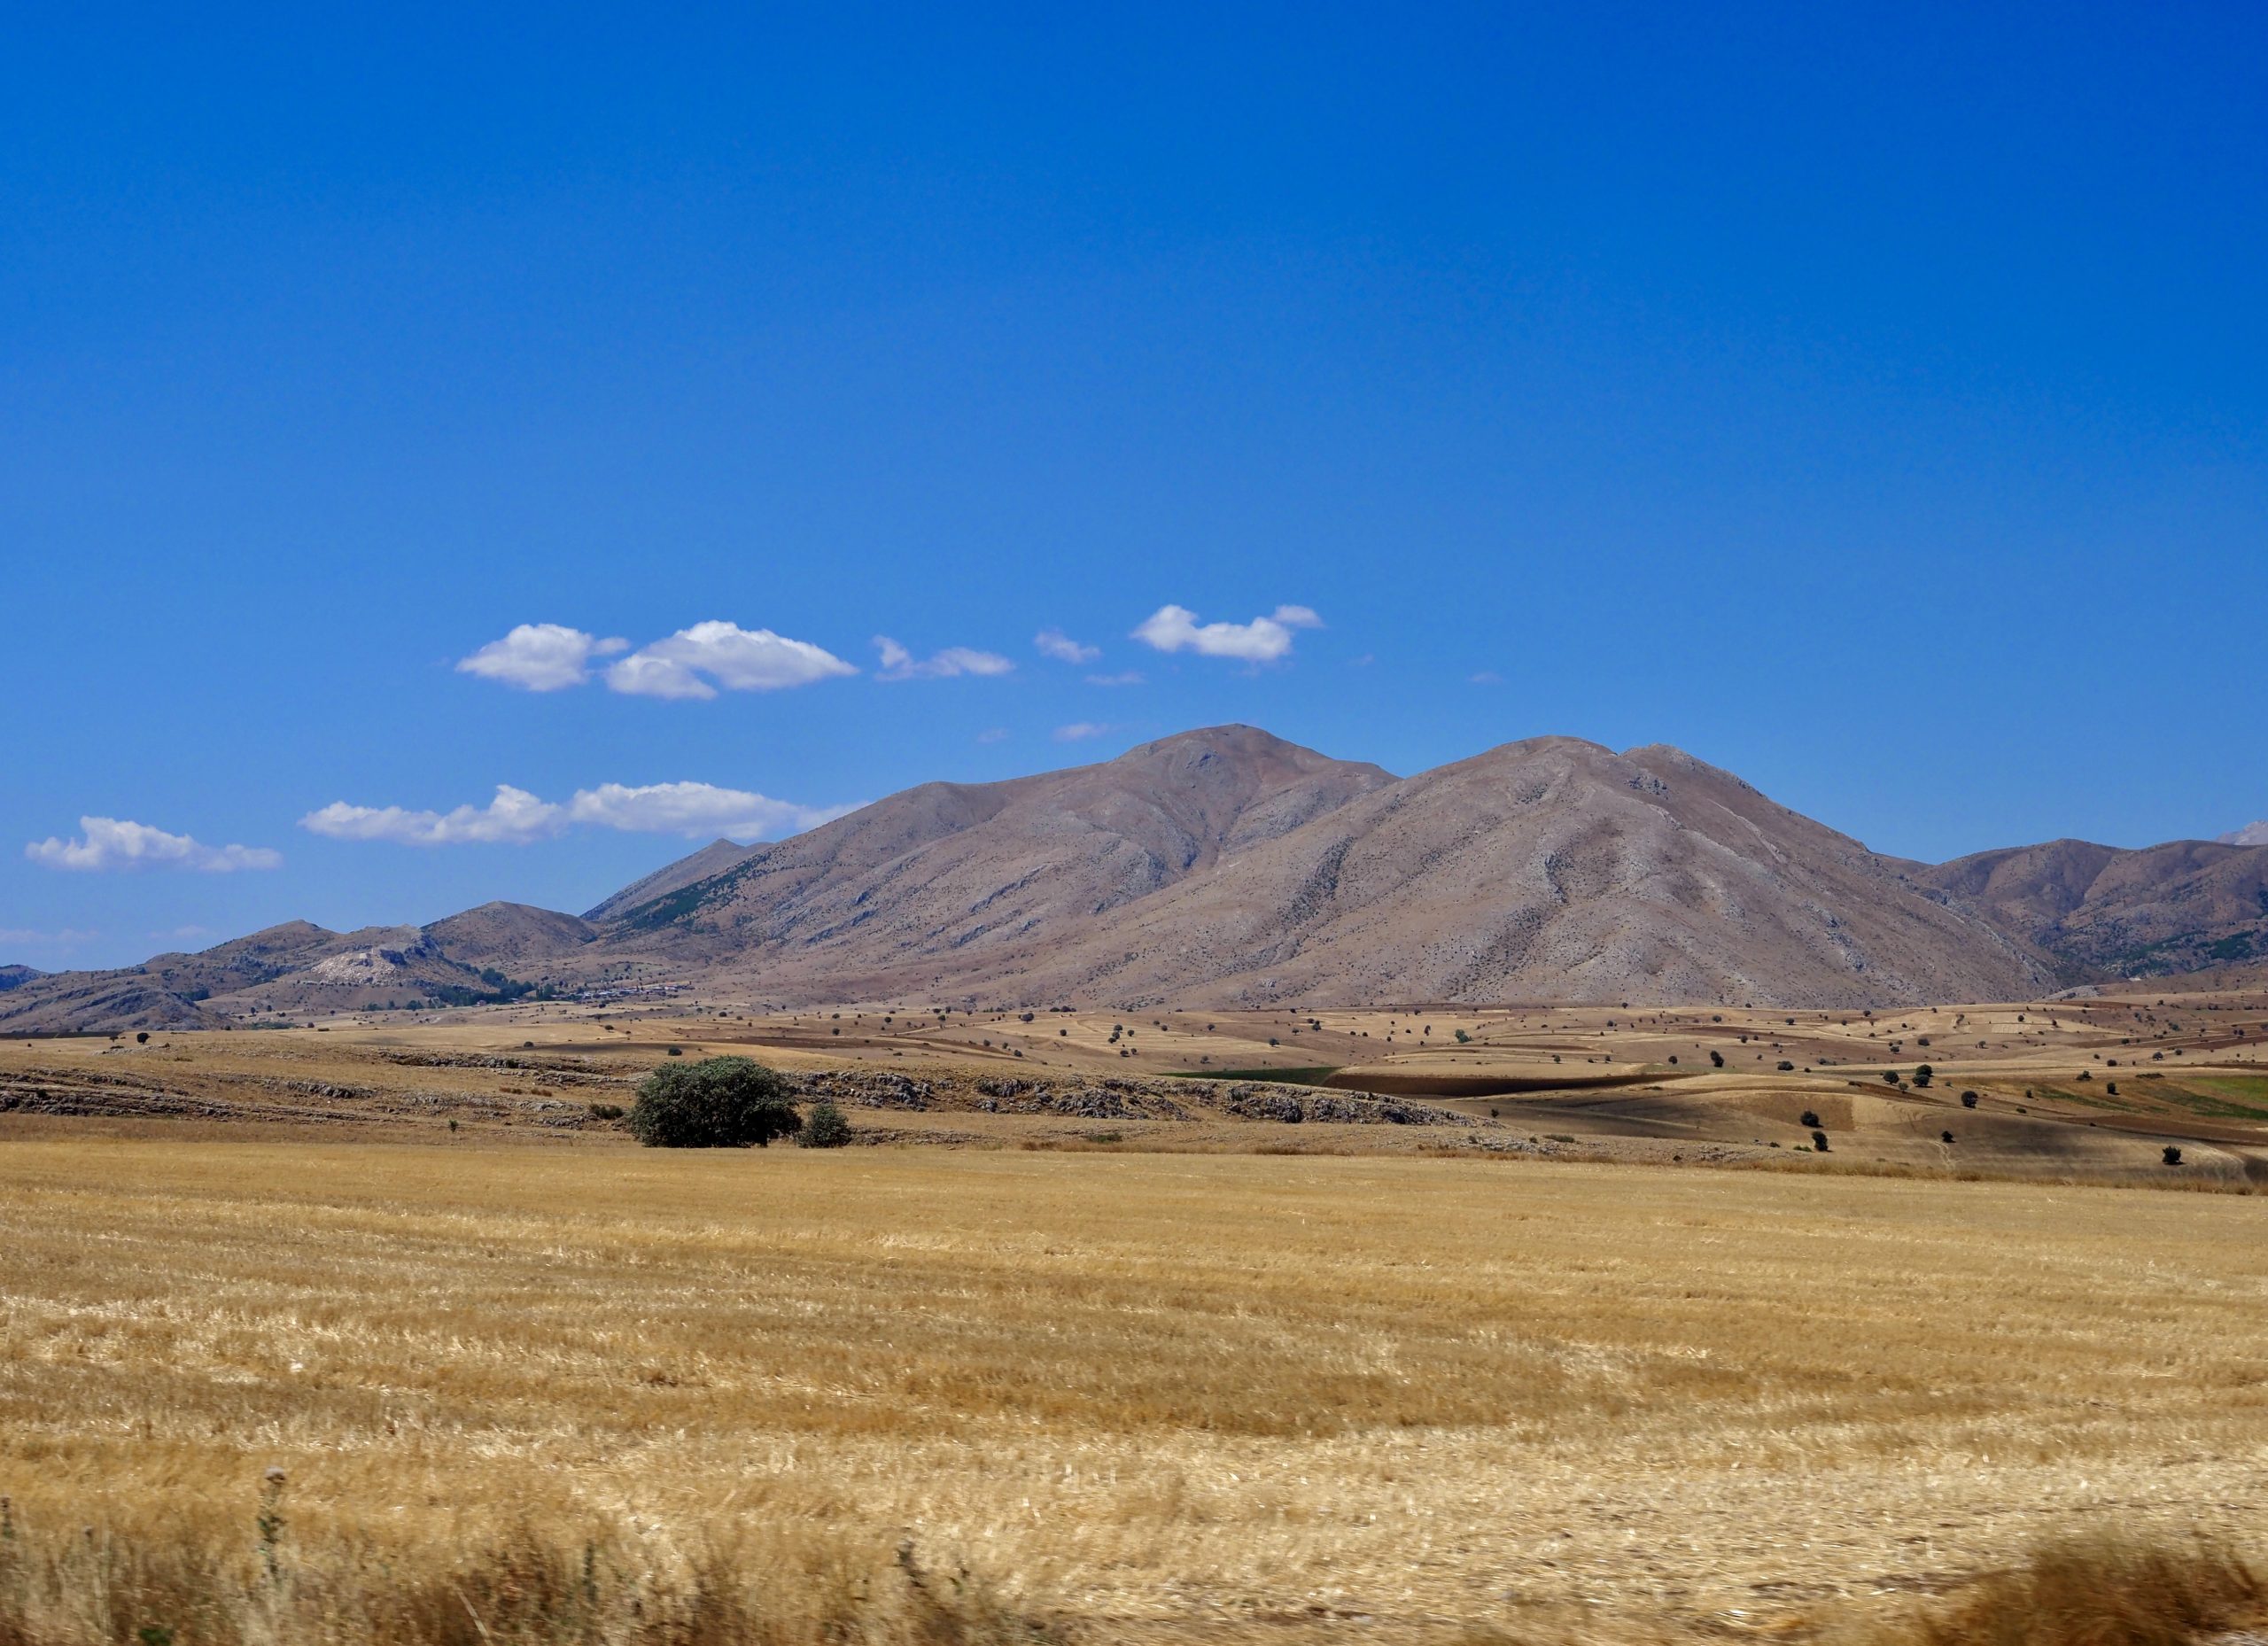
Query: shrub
x,y
1462,1038
677,1051
1716,1060
1811,1118
1819,1141
1945,1137
718,1103
2172,1156
1969,1099
1787,1067
606,1111
1923,1075
824,1128
2095,1592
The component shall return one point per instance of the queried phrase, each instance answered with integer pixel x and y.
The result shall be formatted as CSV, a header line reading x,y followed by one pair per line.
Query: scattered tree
x,y
2172,1155
1969,1099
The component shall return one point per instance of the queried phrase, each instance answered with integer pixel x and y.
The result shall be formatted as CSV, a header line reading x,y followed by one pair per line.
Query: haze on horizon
x,y
450,459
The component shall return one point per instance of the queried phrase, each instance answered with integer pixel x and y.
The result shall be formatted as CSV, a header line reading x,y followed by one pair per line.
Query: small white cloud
x,y
67,938
1056,644
1264,639
515,817
1129,678
993,734
115,843
738,659
540,657
1487,677
695,809
1079,732
901,664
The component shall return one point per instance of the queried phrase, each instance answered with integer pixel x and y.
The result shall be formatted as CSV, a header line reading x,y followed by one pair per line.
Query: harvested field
x,y
1142,1396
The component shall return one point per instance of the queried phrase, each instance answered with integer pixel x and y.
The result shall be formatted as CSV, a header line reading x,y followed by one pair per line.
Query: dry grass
x,y
2097,1591
1143,1397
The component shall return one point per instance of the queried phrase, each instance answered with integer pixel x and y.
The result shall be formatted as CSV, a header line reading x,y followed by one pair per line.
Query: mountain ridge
x,y
1225,866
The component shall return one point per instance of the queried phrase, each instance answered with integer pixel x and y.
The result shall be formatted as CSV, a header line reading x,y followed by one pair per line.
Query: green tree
x,y
824,1128
718,1103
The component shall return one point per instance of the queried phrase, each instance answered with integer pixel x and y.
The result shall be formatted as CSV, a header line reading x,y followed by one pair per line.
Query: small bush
x,y
1716,1060
1787,1067
2172,1156
824,1128
1811,1118
1969,1099
1819,1141
606,1111
718,1103
2101,1593
677,1051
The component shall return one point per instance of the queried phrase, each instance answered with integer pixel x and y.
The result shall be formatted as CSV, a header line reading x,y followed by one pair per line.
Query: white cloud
x,y
1264,639
1487,677
540,657
516,817
695,809
1056,644
993,734
901,664
115,843
1129,678
513,817
67,938
738,659
1078,731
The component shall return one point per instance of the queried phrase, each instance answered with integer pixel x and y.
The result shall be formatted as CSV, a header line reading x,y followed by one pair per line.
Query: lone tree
x,y
1969,1099
718,1103
1923,1075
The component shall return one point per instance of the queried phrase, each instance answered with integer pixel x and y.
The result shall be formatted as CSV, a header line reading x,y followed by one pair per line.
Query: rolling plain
x,y
1078,1348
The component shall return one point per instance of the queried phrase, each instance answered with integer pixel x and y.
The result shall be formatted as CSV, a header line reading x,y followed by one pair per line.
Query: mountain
x,y
1226,867
2178,907
975,878
497,951
16,976
2251,834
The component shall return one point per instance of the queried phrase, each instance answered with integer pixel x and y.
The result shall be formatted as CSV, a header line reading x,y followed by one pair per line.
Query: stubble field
x,y
1139,1397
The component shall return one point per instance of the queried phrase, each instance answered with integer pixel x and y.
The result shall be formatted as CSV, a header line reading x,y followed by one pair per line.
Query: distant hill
x,y
16,976
1227,867
2178,907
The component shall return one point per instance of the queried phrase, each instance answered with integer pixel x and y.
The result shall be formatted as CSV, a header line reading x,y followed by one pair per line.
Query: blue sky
x,y
1868,400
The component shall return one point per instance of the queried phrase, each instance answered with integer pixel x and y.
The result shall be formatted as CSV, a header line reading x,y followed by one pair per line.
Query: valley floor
x,y
1161,1396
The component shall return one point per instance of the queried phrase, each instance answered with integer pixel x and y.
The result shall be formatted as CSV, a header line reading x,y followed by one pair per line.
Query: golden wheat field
x,y
1139,1397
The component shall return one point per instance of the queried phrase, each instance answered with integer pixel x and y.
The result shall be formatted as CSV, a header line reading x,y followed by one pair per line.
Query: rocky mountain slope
x,y
2178,907
1228,867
